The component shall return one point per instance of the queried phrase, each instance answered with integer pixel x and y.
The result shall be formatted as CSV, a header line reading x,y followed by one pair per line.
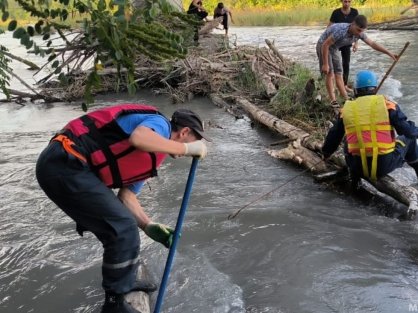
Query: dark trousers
x,y
346,55
406,150
224,19
73,187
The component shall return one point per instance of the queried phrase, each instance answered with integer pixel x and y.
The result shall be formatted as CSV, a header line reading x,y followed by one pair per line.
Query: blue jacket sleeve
x,y
401,124
333,139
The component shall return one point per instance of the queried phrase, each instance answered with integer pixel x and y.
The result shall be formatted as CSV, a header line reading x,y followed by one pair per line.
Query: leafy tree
x,y
111,33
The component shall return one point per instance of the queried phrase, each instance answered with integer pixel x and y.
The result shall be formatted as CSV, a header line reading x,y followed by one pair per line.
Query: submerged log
x,y
296,153
138,299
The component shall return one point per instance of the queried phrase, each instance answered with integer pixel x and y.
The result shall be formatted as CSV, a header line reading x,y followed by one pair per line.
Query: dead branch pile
x,y
203,71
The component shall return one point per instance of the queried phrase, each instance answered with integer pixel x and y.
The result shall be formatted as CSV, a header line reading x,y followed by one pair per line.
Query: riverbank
x,y
285,15
318,229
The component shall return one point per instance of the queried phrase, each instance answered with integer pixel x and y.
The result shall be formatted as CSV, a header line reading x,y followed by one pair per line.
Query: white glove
x,y
197,149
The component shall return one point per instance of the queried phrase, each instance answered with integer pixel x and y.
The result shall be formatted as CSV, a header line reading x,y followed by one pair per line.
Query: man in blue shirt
x,y
116,147
331,40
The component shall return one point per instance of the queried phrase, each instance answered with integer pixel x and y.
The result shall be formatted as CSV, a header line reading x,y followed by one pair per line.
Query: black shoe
x,y
145,286
115,303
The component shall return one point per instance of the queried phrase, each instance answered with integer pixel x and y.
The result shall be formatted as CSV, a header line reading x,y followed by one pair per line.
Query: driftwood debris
x,y
212,67
404,23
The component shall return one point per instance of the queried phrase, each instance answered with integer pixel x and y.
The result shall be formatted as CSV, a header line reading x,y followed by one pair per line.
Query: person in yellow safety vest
x,y
368,124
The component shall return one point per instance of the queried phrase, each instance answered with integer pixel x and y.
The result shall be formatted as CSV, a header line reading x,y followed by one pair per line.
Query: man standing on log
x,y
345,14
116,147
332,39
368,124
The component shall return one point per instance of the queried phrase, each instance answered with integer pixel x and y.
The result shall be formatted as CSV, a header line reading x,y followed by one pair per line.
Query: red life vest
x,y
110,155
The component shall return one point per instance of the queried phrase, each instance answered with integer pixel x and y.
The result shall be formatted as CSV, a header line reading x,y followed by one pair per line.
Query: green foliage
x,y
292,101
113,33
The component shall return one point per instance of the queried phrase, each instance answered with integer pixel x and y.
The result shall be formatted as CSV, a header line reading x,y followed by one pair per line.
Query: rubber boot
x,y
145,286
115,303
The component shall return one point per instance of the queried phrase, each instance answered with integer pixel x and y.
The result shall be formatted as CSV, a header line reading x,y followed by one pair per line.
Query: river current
x,y
302,249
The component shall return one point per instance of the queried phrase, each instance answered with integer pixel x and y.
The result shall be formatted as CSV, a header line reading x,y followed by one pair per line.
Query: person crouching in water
x,y
368,125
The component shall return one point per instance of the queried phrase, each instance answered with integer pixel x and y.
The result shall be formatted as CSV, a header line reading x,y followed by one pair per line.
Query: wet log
x,y
138,299
279,125
404,194
273,48
296,153
209,26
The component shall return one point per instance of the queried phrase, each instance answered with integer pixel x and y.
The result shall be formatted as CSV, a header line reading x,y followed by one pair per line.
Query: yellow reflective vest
x,y
368,130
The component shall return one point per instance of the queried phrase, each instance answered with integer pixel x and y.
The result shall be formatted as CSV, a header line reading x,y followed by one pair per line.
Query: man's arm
x,y
157,232
380,48
355,46
401,124
334,137
146,139
230,15
130,200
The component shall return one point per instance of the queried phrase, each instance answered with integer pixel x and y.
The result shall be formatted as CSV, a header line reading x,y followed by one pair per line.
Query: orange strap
x,y
67,144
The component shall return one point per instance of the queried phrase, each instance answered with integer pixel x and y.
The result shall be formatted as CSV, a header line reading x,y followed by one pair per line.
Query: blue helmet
x,y
365,79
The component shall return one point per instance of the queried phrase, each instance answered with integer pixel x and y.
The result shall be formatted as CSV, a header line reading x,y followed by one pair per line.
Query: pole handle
x,y
392,66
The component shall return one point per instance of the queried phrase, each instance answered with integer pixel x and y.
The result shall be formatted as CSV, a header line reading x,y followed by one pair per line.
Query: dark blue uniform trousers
x,y
74,188
406,150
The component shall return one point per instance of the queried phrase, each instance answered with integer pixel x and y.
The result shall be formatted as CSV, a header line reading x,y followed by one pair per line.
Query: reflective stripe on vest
x,y
368,130
108,150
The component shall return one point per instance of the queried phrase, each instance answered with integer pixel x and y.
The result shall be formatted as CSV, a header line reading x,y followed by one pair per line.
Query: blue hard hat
x,y
365,79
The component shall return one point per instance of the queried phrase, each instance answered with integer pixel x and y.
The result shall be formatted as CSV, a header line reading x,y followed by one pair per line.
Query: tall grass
x,y
292,12
307,16
269,12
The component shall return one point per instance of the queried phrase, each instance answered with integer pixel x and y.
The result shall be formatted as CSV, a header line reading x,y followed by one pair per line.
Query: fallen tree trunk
x,y
279,125
296,153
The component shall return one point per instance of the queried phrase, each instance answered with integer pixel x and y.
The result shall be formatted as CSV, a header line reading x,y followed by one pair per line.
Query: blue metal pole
x,y
176,236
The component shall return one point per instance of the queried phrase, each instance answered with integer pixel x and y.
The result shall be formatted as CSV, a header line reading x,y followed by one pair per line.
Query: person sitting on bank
x,y
196,7
345,14
368,125
332,39
116,147
221,11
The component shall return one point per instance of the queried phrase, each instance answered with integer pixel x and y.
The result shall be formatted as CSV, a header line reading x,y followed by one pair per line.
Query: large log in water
x,y
138,299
